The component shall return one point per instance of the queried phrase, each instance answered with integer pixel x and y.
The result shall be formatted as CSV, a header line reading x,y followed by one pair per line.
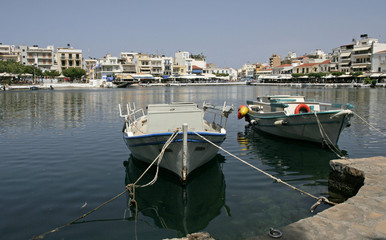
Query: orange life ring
x,y
302,108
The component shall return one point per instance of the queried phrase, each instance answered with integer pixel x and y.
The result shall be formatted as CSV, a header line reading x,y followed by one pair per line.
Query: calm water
x,y
62,154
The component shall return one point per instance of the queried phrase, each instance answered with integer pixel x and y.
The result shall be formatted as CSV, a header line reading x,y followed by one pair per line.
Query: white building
x,y
378,62
43,58
107,67
89,65
183,59
356,56
7,53
127,57
156,65
167,65
248,71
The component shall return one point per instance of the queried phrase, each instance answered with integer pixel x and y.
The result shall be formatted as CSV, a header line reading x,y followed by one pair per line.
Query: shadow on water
x,y
186,208
291,160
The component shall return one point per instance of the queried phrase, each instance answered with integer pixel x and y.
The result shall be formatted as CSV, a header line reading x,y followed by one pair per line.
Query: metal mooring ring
x,y
274,233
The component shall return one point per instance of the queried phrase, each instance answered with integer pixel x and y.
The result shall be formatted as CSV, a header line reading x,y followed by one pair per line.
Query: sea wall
x,y
360,217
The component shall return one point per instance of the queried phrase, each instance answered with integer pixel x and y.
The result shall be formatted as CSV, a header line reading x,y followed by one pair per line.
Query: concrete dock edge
x,y
360,217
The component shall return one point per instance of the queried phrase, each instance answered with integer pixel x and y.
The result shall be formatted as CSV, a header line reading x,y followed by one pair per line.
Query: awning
x,y
362,48
375,75
142,76
359,66
346,54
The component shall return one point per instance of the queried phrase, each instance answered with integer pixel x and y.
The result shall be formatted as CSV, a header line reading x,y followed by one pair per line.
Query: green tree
x,y
51,74
296,75
336,74
356,74
74,73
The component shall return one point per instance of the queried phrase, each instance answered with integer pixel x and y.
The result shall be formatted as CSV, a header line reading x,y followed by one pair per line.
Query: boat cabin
x,y
169,117
284,103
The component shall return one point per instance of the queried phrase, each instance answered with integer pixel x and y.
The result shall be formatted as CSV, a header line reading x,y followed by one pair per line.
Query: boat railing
x,y
132,113
222,111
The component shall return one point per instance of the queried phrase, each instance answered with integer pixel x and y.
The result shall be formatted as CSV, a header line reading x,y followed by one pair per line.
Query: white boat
x,y
296,118
146,134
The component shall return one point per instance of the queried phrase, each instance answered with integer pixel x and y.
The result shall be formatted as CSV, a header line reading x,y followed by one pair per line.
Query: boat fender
x,y
280,123
274,233
302,108
243,110
254,122
343,112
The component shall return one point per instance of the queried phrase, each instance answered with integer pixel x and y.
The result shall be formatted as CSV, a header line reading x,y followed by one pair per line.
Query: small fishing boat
x,y
146,134
296,118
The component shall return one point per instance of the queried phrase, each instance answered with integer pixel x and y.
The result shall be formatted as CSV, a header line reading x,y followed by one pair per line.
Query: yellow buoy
x,y
243,110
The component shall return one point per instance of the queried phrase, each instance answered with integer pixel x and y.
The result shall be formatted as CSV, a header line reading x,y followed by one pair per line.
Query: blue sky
x,y
229,33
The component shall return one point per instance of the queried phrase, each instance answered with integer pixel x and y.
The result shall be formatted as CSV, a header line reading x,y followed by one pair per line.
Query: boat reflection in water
x,y
187,207
291,160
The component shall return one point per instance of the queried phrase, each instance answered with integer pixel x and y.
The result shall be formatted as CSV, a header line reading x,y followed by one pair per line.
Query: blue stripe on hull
x,y
157,135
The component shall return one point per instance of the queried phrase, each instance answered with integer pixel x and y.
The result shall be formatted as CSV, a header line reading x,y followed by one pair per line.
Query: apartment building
x,y
156,65
142,63
89,65
378,62
184,59
248,71
167,65
69,57
7,53
43,58
356,56
107,67
306,68
275,60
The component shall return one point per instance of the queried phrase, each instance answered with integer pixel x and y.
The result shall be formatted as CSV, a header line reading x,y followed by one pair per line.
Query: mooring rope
x,y
384,134
320,199
324,135
129,187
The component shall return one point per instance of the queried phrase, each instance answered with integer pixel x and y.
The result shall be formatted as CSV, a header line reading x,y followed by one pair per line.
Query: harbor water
x,y
62,154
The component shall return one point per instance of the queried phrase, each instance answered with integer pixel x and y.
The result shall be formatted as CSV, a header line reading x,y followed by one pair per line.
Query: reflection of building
x,y
69,58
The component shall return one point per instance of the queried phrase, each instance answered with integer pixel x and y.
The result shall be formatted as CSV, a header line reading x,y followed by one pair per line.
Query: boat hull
x,y
304,126
147,147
